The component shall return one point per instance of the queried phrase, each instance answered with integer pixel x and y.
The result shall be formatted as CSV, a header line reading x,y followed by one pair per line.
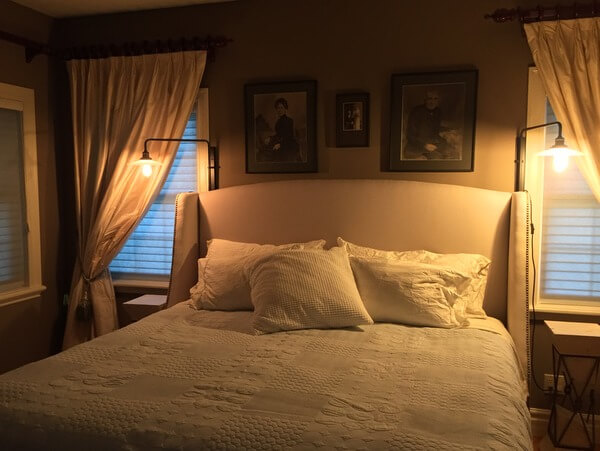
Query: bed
x,y
186,378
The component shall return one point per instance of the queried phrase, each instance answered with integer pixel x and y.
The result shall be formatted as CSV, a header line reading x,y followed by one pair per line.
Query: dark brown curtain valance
x,y
33,48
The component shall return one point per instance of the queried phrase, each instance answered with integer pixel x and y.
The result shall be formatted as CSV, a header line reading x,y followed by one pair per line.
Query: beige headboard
x,y
385,214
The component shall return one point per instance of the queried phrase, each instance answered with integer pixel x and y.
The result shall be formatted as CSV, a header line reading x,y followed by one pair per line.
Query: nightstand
x,y
576,356
145,305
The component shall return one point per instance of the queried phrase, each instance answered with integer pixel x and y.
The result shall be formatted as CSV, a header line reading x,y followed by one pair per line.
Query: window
x,y
147,252
13,229
570,236
20,266
567,216
145,260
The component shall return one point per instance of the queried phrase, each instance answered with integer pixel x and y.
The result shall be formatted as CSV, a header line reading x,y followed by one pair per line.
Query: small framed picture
x,y
352,120
432,124
281,127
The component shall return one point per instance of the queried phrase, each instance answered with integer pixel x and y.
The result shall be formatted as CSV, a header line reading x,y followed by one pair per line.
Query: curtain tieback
x,y
85,311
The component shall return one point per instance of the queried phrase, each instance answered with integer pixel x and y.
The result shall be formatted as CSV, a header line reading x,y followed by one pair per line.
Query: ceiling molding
x,y
75,8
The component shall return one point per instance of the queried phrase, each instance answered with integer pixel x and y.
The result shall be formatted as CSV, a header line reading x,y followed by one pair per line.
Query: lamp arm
x,y
520,157
213,157
520,152
197,140
525,130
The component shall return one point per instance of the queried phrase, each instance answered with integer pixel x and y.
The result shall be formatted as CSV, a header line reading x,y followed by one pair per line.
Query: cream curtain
x,y
567,54
117,103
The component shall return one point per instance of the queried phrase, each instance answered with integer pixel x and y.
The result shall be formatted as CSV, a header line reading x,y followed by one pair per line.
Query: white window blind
x,y
147,253
570,268
13,232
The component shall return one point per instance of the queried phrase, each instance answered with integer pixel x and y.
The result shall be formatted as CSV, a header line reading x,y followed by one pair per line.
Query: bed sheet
x,y
188,379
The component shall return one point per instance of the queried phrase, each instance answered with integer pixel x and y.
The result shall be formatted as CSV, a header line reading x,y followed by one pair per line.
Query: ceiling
x,y
72,8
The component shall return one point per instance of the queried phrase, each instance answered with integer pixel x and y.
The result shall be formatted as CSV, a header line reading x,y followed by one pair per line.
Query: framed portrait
x,y
432,124
352,120
281,127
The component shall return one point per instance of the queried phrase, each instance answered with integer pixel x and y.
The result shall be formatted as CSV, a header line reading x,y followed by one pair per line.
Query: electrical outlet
x,y
549,383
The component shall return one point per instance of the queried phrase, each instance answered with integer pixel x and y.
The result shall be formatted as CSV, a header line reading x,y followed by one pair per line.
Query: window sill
x,y
554,311
141,286
20,295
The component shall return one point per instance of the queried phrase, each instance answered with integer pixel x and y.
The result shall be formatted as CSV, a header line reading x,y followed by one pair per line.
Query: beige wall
x,y
27,328
345,45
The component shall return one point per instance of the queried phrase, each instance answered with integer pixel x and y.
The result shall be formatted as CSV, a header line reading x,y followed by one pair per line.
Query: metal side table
x,y
576,356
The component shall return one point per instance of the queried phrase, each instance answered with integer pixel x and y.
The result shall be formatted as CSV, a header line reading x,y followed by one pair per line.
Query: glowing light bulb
x,y
146,163
560,154
147,169
560,162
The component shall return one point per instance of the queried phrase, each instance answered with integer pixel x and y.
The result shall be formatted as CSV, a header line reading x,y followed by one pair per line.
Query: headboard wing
x,y
184,272
518,300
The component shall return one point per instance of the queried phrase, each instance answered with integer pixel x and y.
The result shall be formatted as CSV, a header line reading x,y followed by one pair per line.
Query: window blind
x,y
13,232
148,252
570,268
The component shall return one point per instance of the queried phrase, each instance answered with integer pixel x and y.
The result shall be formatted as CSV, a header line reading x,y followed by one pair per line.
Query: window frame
x,y
151,283
23,99
534,183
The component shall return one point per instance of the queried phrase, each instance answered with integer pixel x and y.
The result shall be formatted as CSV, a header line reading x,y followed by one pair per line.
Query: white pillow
x,y
223,274
225,248
475,266
305,289
221,285
409,292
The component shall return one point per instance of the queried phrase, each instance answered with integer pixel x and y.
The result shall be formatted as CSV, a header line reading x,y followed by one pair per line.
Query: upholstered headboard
x,y
385,214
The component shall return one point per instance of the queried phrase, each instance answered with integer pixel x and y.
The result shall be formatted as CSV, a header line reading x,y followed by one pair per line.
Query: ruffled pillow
x,y
409,292
474,266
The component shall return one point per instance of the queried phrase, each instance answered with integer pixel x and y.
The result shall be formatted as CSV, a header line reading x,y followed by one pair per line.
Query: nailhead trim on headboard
x,y
177,211
527,291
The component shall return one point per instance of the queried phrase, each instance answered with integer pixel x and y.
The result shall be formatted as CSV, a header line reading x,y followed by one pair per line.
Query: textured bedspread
x,y
184,379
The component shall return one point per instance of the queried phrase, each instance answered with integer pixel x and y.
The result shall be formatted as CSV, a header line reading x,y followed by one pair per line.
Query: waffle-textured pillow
x,y
475,266
409,292
223,274
304,290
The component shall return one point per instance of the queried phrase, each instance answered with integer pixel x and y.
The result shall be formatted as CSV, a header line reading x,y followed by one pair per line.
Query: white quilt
x,y
187,379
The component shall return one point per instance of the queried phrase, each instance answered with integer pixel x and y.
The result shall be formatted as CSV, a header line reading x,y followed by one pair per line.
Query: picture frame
x,y
352,120
432,123
281,127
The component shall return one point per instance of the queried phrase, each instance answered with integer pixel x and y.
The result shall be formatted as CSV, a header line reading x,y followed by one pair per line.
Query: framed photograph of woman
x,y
432,125
281,127
352,120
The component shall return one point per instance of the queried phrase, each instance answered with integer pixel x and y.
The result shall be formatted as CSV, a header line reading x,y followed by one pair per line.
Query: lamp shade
x,y
147,164
560,154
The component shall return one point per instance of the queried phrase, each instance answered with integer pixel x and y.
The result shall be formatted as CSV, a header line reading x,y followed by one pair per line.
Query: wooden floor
x,y
544,444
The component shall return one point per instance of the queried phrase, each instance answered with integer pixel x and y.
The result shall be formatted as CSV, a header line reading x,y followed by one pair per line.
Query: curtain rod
x,y
543,13
33,48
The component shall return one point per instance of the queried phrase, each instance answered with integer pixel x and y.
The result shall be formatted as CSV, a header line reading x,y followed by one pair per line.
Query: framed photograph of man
x,y
352,120
432,124
281,127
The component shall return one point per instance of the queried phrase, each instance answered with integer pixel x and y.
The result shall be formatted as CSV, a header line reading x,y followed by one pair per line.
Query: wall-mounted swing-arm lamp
x,y
559,151
147,163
